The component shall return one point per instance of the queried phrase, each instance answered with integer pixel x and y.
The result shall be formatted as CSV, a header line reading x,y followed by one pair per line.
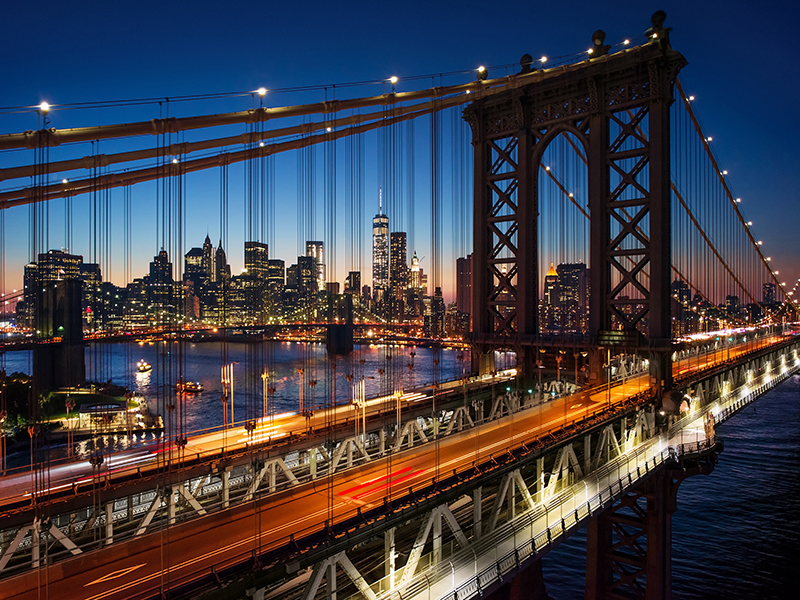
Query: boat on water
x,y
189,387
143,366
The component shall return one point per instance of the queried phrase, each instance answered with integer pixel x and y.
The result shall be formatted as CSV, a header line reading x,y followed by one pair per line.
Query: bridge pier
x,y
527,584
629,546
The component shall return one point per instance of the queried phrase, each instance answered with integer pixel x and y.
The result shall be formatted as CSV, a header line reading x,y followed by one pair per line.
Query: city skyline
x,y
716,103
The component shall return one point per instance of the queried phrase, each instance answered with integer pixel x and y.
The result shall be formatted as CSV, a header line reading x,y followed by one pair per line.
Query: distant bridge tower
x,y
618,109
59,361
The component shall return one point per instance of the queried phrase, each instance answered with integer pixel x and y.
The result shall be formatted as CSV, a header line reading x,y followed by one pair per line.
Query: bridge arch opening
x,y
561,187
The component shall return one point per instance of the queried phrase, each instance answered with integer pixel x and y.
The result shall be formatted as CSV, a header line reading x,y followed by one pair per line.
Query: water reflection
x,y
293,370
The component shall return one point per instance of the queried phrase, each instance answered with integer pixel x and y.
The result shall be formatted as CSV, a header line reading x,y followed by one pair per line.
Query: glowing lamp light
x,y
571,195
393,79
738,200
691,98
65,181
749,223
708,139
590,51
261,91
261,144
329,129
760,243
44,107
175,161
543,59
547,168
724,172
626,42
769,258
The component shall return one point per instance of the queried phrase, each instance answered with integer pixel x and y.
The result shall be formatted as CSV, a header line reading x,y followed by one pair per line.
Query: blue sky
x,y
742,70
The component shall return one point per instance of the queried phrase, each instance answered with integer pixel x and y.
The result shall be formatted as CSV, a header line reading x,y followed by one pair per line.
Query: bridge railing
x,y
493,556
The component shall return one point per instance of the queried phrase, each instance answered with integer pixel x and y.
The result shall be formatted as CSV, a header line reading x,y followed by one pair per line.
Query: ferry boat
x,y
143,366
189,387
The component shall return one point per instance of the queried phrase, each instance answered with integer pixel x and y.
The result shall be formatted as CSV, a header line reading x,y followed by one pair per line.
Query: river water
x,y
736,533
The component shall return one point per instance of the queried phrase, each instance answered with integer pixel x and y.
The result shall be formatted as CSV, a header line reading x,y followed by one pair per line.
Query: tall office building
x,y
276,274
222,270
415,278
160,284
92,304
380,252
464,284
193,267
398,264
207,263
572,309
314,250
769,293
57,265
256,259
549,303
252,284
732,306
352,284
54,265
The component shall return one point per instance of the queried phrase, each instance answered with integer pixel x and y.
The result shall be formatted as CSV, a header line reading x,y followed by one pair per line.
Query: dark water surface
x,y
736,534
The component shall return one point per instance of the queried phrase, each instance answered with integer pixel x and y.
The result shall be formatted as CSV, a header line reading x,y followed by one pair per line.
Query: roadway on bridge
x,y
172,556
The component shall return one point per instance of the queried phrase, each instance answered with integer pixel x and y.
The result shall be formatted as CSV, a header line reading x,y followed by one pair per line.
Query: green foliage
x,y
17,388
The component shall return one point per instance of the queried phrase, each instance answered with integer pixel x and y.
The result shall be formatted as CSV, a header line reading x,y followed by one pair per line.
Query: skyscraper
x,y
380,252
253,282
398,263
464,284
314,250
256,259
222,270
207,262
549,304
276,281
769,293
352,284
57,265
573,298
416,275
160,285
193,264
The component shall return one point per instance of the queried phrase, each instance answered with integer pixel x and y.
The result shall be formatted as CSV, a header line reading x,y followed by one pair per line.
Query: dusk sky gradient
x,y
742,70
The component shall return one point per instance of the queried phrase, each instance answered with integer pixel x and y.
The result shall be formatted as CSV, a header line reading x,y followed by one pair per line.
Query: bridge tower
x,y
618,108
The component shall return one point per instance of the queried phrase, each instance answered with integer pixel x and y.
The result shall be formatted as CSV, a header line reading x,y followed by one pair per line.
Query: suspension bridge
x,y
571,214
